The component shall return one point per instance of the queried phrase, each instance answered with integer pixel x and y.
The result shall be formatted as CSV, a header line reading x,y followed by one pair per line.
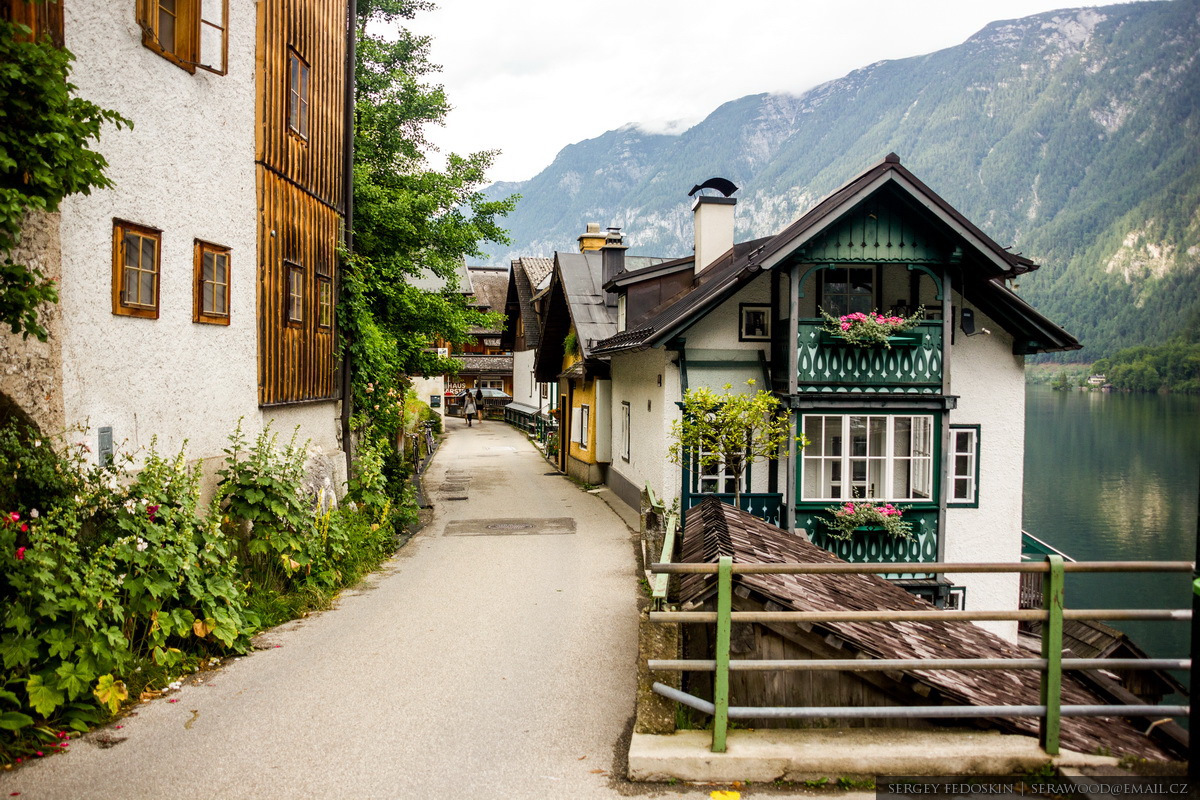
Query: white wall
x,y
187,168
651,410
990,383
525,390
428,387
719,328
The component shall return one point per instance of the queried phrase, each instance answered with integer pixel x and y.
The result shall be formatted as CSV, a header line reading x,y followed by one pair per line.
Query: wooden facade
x,y
43,19
300,141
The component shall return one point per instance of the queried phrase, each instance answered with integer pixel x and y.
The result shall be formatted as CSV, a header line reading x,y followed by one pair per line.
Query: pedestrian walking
x,y
469,408
479,402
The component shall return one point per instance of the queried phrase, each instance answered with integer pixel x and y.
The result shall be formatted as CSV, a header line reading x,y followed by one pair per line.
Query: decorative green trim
x,y
937,280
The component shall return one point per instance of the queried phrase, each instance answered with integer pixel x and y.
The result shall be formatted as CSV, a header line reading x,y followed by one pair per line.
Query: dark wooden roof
x,y
986,265
715,529
527,272
479,364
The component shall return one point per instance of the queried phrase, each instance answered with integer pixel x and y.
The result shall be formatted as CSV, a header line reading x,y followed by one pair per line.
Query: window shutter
x,y
214,36
145,15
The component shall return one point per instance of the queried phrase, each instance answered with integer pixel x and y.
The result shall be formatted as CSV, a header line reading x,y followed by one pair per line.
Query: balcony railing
x,y
766,506
912,364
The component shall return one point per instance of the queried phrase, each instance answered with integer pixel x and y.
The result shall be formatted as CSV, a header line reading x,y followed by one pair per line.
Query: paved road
x,y
483,662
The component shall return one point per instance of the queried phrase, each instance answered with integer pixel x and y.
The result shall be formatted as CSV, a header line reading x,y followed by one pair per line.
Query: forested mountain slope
x,y
1073,135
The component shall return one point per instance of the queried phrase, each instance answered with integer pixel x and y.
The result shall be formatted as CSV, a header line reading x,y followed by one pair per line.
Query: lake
x,y
1116,477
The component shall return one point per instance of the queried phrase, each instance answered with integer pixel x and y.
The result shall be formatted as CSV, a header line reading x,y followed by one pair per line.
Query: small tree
x,y
730,429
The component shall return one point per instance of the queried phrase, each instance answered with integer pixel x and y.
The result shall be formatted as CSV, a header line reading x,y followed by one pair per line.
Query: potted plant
x,y
867,330
864,515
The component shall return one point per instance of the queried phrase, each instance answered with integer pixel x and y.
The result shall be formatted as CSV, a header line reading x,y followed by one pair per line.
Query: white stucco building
x,y
168,279
933,422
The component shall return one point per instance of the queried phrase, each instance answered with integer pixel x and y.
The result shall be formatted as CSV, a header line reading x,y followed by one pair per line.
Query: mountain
x,y
1073,135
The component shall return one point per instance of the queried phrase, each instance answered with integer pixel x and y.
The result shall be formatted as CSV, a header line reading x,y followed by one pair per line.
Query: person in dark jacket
x,y
479,402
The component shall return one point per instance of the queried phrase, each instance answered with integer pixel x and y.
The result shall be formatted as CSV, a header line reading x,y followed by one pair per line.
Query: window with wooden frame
x,y
188,33
136,258
298,94
42,19
964,466
324,302
585,420
294,285
210,284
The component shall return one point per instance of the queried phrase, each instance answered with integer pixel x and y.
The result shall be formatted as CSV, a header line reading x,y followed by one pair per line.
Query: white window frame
x,y
585,419
625,430
848,474
964,466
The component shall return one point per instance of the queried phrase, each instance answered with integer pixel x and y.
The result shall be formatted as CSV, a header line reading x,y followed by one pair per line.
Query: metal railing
x,y
1051,664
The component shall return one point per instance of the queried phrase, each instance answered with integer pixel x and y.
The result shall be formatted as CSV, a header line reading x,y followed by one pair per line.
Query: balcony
x,y
911,365
868,547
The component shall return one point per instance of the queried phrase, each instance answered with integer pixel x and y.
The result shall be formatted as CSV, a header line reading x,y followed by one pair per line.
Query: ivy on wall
x,y
46,134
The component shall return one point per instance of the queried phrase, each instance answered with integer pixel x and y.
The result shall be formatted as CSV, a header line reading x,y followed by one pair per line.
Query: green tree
x,y
410,219
45,155
733,430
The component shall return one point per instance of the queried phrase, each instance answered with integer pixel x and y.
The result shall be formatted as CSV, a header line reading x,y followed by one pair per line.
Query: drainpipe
x,y
348,222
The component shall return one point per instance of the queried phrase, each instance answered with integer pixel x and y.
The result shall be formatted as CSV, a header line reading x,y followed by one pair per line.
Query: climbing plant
x,y
46,135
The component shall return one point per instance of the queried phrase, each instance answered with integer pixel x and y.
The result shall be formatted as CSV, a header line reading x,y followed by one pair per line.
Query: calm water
x,y
1116,477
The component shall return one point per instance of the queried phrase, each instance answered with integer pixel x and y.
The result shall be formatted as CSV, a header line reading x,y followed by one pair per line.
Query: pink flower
x,y
14,516
845,326
20,554
25,527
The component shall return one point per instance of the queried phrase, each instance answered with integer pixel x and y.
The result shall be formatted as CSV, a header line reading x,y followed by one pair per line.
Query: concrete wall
x,y
990,383
428,387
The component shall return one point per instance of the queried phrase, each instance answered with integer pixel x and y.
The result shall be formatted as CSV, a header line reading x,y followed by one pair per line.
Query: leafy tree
x,y
45,133
409,220
729,429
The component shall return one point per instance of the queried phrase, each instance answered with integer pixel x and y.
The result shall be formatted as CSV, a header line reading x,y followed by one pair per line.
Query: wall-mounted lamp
x,y
968,324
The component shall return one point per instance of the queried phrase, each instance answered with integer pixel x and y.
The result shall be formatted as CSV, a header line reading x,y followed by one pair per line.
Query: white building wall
x,y
990,383
525,390
635,380
187,168
428,388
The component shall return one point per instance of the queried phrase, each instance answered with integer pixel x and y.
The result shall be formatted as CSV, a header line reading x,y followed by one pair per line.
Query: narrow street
x,y
492,658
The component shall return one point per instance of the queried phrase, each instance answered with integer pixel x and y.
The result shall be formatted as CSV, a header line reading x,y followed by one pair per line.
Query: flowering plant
x,y
869,329
859,513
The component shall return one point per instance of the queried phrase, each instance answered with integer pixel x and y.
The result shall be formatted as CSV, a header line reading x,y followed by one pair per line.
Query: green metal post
x,y
1052,631
721,679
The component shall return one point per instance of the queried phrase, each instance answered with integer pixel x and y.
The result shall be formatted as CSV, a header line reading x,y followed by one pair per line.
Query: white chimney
x,y
713,221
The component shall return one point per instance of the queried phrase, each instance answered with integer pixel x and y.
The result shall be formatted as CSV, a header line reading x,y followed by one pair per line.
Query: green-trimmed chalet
x,y
933,422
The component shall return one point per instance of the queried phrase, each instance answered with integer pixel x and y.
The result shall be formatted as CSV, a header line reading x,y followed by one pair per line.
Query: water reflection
x,y
1115,477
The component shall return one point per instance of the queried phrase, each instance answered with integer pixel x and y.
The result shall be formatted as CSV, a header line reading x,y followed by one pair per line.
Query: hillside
x,y
1071,135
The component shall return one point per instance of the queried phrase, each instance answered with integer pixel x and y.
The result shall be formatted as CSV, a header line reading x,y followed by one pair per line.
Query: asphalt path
x,y
493,657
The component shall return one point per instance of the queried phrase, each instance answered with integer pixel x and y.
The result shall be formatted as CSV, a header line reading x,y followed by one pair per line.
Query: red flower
x,y
25,527
152,511
20,554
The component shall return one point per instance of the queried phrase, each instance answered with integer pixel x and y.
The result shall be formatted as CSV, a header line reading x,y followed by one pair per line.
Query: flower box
x,y
898,340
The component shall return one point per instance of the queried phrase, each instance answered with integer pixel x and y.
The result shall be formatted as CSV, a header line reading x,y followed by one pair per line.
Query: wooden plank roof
x,y
715,529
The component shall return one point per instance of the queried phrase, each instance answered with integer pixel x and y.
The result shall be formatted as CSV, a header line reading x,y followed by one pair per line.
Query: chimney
x,y
613,262
712,218
594,239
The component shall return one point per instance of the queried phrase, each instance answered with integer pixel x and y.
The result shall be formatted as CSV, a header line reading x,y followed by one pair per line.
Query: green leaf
x,y
18,651
42,697
73,679
14,720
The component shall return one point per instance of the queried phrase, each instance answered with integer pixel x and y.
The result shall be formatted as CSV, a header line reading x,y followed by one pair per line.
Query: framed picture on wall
x,y
754,322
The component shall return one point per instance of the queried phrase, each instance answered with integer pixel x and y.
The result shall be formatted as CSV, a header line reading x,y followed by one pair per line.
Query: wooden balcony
x,y
911,364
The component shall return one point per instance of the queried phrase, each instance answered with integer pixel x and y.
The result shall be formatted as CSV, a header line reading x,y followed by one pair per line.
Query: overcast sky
x,y
529,77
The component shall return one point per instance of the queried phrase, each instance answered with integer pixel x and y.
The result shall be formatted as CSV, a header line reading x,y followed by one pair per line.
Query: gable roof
x,y
715,529
490,286
527,272
988,264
